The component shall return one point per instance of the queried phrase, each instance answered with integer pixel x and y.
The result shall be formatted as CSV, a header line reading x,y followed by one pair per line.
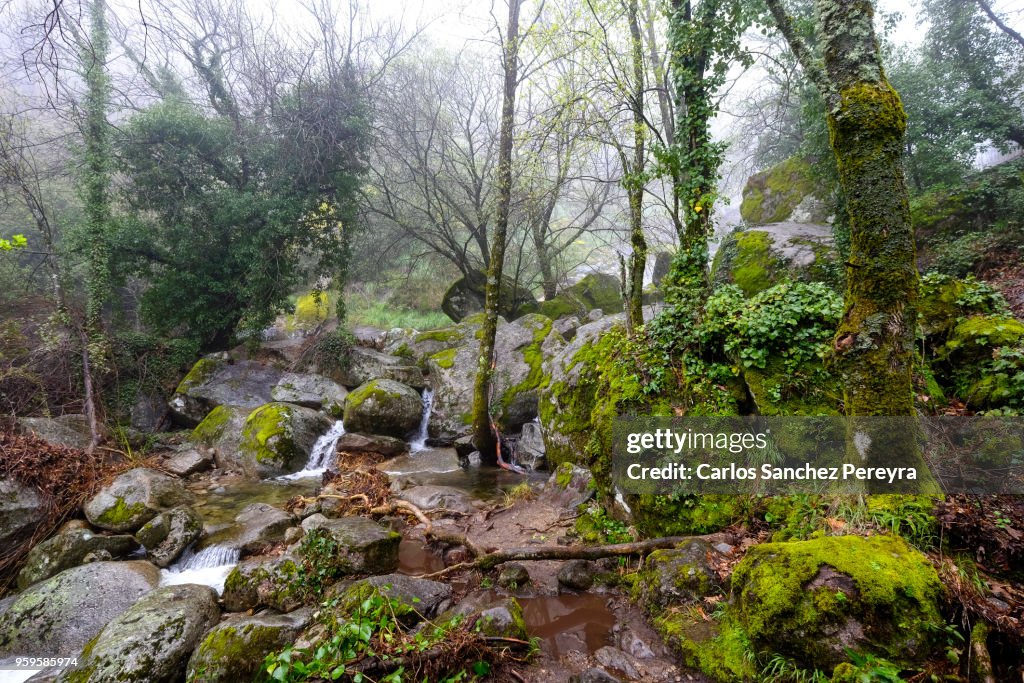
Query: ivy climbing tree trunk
x,y
484,437
95,186
703,40
874,344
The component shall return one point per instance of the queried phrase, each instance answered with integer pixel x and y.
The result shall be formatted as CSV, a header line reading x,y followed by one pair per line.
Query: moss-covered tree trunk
x,y
874,344
483,435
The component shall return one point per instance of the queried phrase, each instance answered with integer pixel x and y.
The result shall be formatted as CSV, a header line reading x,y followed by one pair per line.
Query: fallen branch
x,y
594,552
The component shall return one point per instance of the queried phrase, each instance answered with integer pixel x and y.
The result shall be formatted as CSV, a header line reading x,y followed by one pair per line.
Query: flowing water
x,y
320,455
419,442
208,567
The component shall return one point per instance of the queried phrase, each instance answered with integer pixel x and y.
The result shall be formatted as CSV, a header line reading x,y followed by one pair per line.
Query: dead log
x,y
491,559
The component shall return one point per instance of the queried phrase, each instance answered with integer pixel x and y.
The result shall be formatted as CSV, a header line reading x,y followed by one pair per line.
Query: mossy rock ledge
x,y
783,192
596,290
757,258
466,296
214,381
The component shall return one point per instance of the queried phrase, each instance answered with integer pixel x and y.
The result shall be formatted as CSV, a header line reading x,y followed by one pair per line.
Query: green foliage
x,y
15,242
145,364
332,351
596,527
371,631
794,321
227,216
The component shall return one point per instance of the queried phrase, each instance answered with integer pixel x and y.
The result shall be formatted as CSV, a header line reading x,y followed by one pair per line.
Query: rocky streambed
x,y
290,497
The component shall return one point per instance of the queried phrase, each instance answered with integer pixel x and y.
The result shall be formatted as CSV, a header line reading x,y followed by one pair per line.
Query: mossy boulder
x,y
68,549
215,381
678,576
310,391
784,192
133,499
596,290
221,432
64,612
264,582
275,439
151,641
757,258
466,296
234,649
416,346
813,601
166,536
520,348
383,406
361,546
418,599
974,339
365,365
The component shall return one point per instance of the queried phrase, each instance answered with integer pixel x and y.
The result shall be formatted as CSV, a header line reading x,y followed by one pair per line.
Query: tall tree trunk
x,y
635,180
693,38
874,344
96,191
484,438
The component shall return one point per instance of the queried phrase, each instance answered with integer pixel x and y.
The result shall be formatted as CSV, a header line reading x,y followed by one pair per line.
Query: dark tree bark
x,y
484,438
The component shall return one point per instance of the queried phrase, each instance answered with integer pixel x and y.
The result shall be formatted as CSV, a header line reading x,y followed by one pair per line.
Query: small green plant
x,y
778,669
594,525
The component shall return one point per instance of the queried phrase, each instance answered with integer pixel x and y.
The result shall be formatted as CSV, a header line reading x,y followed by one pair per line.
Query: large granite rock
x,y
215,381
133,499
371,444
66,430
21,510
263,582
255,527
365,365
311,391
63,613
519,349
152,641
383,406
418,598
784,192
363,546
68,549
757,258
234,650
466,296
272,440
430,497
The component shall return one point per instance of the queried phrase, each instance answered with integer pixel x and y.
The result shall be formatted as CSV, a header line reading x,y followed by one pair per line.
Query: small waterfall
x,y
209,567
419,442
320,455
